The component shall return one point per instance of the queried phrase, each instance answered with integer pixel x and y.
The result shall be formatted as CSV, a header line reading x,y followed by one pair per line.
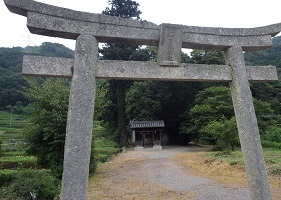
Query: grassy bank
x,y
228,168
272,159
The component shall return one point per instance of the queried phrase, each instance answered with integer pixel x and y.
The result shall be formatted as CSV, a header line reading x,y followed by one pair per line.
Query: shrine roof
x,y
147,124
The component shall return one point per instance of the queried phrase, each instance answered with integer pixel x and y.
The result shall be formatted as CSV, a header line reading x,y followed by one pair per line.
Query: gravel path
x,y
152,174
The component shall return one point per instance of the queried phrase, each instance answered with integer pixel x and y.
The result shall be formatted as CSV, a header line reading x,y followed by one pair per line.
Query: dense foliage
x,y
11,79
47,113
269,56
28,184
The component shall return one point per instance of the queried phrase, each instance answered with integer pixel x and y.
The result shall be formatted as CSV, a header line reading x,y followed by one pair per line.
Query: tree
x,y
213,111
47,116
144,54
143,101
207,57
211,104
224,131
269,56
118,88
101,102
123,8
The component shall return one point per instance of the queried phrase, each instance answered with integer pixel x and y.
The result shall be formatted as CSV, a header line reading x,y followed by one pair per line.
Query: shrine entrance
x,y
147,133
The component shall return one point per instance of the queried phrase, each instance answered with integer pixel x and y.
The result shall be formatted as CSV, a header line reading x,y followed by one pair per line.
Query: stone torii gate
x,y
88,29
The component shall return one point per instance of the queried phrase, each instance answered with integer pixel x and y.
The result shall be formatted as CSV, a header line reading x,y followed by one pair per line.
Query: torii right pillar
x,y
247,125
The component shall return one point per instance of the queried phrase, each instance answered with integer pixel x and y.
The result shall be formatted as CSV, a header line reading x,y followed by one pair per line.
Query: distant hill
x,y
10,69
271,56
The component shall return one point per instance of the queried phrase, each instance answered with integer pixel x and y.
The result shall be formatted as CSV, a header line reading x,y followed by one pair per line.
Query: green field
x,y
11,121
10,126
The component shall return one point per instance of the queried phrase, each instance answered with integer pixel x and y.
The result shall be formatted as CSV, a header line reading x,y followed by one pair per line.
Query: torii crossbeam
x,y
88,29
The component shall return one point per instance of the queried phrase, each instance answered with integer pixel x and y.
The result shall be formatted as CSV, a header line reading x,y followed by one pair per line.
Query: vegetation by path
x,y
227,167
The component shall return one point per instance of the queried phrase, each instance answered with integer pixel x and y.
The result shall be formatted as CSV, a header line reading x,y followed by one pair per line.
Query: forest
x,y
194,112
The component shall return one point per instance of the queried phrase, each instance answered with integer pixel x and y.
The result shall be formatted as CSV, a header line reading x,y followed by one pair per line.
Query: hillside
x,y
271,56
11,79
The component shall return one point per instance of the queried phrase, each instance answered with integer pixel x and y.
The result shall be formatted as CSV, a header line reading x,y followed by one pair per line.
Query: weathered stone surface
x,y
152,71
69,28
105,32
169,49
80,120
220,43
262,73
247,126
47,66
272,30
61,67
54,21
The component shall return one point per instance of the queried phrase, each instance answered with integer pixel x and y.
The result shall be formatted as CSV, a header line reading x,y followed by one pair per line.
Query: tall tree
x,y
118,88
213,111
47,116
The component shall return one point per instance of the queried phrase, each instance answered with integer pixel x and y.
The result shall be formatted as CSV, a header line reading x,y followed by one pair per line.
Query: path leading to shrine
x,y
157,174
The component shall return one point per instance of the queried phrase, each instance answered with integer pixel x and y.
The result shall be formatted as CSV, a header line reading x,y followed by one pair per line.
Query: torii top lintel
x,y
44,19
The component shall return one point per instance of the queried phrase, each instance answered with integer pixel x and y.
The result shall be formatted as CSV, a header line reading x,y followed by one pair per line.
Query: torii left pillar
x,y
80,120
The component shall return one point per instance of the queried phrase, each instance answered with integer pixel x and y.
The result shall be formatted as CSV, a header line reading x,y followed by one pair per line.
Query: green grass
x,y
11,136
12,143
7,171
104,147
17,162
272,159
18,159
11,123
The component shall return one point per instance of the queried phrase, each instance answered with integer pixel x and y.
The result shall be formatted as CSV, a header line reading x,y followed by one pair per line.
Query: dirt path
x,y
153,174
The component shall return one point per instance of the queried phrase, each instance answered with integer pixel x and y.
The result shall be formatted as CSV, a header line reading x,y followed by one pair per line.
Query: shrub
x,y
6,177
233,162
273,134
225,133
38,182
270,144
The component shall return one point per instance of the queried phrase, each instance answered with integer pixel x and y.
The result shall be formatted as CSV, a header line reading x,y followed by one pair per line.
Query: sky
x,y
210,13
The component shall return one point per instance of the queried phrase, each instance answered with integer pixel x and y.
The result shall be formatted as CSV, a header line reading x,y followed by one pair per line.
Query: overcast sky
x,y
212,13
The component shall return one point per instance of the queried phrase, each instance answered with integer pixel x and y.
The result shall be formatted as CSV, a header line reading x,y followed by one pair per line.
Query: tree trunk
x,y
121,126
